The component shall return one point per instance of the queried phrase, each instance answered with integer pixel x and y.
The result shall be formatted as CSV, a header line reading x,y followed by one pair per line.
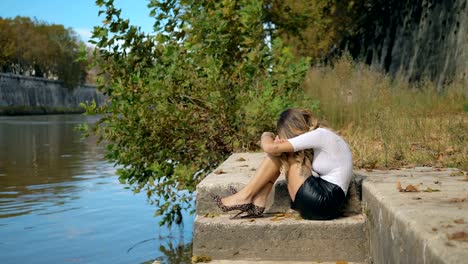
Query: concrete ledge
x,y
414,227
238,169
288,239
401,227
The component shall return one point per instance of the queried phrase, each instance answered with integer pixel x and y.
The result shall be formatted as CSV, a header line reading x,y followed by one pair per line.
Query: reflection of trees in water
x,y
174,254
39,159
181,253
172,248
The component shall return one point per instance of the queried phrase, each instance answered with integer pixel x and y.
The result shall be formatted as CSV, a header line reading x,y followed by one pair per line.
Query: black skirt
x,y
318,199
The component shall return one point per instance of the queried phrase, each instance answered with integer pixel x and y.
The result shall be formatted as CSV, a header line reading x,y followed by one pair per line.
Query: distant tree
x,y
7,44
41,49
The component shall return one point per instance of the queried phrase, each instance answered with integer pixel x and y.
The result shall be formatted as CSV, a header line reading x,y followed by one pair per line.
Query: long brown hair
x,y
294,122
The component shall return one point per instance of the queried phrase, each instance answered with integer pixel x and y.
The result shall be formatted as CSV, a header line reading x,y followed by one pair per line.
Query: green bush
x,y
206,84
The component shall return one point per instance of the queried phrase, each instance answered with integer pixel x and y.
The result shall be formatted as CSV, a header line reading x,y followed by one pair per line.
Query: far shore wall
x,y
31,95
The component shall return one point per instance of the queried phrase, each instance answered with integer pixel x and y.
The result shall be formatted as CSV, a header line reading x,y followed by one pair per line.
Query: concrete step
x,y
238,169
284,238
274,237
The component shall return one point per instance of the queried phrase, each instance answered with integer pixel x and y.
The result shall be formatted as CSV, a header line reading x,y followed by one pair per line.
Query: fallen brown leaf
x,y
211,215
244,165
459,236
408,188
201,258
434,229
251,220
456,200
253,169
416,198
341,262
411,188
459,221
219,172
240,159
277,218
398,186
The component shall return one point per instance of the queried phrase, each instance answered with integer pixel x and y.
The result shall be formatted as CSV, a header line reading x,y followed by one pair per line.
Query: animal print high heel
x,y
242,207
254,211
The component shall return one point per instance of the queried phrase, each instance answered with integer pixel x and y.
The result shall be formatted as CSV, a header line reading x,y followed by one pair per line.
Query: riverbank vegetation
x,y
389,122
217,73
206,85
32,47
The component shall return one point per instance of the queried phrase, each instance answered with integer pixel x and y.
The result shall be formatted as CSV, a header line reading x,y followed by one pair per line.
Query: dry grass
x,y
390,122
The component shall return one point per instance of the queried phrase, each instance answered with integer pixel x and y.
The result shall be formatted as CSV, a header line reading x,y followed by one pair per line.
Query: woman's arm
x,y
275,146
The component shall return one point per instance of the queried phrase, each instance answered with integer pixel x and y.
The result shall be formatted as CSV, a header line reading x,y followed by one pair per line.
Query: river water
x,y
61,202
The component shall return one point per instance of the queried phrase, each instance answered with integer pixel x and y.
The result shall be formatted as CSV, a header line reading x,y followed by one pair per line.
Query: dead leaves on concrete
x,y
219,171
408,188
201,259
211,215
458,236
456,200
414,188
283,216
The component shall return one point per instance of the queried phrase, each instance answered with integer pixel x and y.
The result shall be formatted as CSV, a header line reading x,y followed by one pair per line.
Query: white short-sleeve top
x,y
333,161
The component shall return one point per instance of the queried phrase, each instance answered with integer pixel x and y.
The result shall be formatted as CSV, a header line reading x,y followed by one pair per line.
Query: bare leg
x,y
259,187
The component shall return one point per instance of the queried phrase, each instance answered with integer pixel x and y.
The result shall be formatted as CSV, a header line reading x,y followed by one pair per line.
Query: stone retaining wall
x,y
29,93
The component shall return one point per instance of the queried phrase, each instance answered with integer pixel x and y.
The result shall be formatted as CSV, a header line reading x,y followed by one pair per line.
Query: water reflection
x,y
40,158
61,202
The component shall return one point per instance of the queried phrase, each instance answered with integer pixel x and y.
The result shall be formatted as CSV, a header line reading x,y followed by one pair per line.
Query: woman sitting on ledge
x,y
317,164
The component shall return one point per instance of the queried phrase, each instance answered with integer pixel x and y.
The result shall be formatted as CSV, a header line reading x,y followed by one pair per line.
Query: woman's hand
x,y
274,145
279,140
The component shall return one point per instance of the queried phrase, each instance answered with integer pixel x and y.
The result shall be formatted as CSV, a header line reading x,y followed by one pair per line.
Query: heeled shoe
x,y
254,212
242,207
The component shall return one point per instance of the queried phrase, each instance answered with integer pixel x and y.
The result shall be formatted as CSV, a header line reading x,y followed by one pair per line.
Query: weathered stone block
x,y
287,239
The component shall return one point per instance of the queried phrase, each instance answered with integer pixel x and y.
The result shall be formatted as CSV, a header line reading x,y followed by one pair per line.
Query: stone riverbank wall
x,y
416,38
31,95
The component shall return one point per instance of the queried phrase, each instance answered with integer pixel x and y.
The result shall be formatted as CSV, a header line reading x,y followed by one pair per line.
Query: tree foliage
x,y
207,83
315,28
40,49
